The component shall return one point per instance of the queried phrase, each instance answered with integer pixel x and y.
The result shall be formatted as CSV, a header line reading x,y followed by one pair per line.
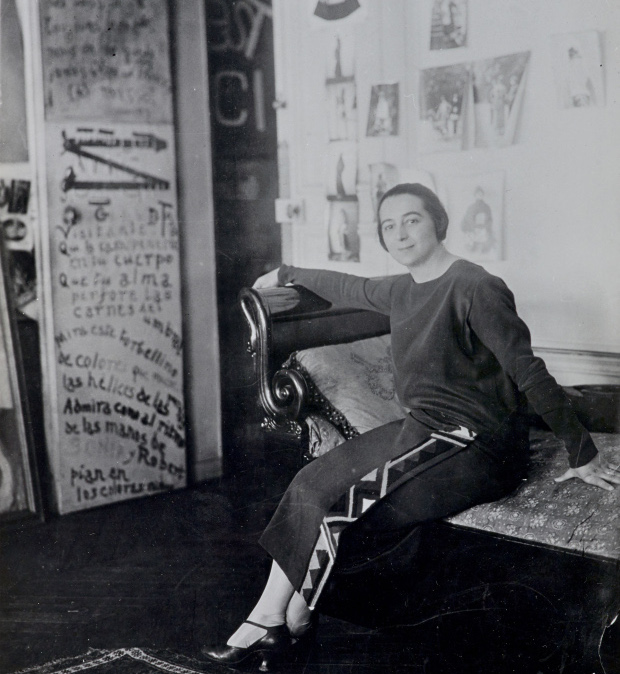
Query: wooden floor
x,y
181,569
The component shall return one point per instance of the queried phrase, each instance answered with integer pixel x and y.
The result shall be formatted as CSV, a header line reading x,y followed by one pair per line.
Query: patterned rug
x,y
127,661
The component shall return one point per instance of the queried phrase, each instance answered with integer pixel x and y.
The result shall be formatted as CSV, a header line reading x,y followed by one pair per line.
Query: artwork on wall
x,y
18,212
137,89
476,216
382,177
18,493
342,227
498,88
443,101
383,111
331,12
340,63
579,69
341,168
449,24
341,109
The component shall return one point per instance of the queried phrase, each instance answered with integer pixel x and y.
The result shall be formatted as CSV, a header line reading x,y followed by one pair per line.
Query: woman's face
x,y
408,230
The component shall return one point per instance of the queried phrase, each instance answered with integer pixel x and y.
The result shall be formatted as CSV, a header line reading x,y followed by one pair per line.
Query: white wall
x,y
561,203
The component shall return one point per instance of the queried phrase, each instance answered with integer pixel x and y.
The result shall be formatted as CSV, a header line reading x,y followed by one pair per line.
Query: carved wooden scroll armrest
x,y
283,392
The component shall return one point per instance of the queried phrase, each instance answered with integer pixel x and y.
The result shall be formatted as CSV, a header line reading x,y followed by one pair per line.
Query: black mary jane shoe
x,y
267,649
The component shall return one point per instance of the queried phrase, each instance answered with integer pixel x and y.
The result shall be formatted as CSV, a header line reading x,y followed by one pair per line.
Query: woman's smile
x,y
408,230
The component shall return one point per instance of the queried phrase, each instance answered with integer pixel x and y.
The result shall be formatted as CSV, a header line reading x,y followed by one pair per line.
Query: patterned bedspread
x,y
569,514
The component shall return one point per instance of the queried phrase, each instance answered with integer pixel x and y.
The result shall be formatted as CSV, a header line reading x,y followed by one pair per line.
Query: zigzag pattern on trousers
x,y
365,493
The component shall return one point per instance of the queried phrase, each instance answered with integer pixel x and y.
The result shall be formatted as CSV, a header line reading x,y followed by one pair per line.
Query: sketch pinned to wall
x,y
340,63
443,102
498,89
383,176
449,24
342,169
476,208
579,69
383,112
341,109
343,230
331,12
18,211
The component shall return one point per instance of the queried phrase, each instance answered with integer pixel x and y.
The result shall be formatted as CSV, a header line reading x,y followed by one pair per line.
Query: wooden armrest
x,y
285,320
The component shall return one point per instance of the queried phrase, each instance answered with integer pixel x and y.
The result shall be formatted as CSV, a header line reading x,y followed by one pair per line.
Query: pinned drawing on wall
x,y
383,112
341,109
579,69
443,102
340,63
330,12
383,176
476,208
498,89
342,169
343,230
18,211
449,24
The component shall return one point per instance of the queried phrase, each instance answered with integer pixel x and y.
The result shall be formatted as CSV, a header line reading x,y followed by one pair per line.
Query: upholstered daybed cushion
x,y
352,391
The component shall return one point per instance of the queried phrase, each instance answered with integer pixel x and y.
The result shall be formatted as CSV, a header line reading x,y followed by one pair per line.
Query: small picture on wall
x,y
18,212
443,101
342,169
341,110
382,177
343,230
340,57
498,89
476,208
579,69
449,24
383,110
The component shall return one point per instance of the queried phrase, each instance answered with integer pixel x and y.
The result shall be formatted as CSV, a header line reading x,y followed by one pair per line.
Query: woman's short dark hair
x,y
431,202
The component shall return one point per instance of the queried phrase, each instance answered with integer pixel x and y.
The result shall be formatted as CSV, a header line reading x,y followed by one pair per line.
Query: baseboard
x,y
206,469
572,367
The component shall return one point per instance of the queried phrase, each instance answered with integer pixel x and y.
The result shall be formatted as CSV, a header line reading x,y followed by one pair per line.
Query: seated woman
x,y
464,370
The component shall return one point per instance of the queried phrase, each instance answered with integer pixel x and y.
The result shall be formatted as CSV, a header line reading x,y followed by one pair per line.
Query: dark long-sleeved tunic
x,y
461,354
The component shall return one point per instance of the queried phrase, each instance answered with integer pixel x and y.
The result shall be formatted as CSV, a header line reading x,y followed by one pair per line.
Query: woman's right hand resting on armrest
x,y
268,280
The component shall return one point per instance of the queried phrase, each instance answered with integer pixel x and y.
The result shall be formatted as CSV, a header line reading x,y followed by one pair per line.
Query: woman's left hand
x,y
598,472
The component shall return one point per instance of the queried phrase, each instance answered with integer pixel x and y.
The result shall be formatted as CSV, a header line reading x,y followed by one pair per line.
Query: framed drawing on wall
x,y
19,496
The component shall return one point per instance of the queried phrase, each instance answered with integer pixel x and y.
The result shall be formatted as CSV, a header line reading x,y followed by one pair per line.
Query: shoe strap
x,y
264,627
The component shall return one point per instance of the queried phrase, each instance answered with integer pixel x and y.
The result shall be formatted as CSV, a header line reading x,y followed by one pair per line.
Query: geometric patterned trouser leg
x,y
365,493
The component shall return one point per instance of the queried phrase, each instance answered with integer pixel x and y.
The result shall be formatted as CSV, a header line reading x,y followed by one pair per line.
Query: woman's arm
x,y
342,290
494,319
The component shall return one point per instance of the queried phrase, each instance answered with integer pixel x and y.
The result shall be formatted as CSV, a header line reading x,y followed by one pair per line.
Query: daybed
x,y
543,562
